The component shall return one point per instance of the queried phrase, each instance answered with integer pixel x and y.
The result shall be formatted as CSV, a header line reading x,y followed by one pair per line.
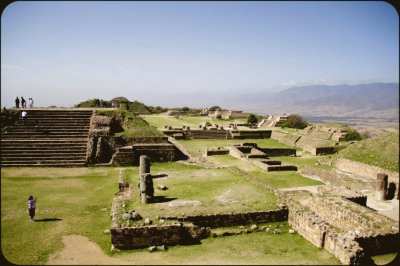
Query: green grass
x,y
246,249
304,160
198,146
81,198
186,182
159,121
279,179
384,259
381,151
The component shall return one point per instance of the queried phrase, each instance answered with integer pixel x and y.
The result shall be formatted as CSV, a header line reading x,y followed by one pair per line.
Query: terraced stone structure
x,y
48,138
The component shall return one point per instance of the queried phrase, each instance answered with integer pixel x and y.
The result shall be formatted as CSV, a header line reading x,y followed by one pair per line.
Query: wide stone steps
x,y
59,140
59,128
54,156
47,136
76,163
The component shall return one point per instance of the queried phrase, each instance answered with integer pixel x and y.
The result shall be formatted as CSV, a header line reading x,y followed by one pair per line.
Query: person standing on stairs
x,y
23,102
17,102
30,102
24,116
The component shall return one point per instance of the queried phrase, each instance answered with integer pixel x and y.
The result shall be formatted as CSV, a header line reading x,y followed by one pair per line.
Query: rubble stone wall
x,y
232,219
271,152
346,249
163,152
365,170
216,152
145,236
309,225
368,171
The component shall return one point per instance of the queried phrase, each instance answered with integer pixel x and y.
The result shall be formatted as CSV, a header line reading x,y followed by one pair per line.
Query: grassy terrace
x,y
81,199
159,121
186,182
281,179
198,146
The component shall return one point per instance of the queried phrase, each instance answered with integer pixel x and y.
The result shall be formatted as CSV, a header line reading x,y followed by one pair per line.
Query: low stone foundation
x,y
271,152
232,219
145,236
216,152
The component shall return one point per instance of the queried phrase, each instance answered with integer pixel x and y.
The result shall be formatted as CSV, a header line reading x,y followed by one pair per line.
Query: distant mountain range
x,y
323,100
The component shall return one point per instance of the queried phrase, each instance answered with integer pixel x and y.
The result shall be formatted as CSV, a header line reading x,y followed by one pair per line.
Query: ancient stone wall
x,y
208,134
350,216
284,138
145,236
346,249
365,170
251,134
309,144
309,225
368,171
336,179
216,152
123,157
232,219
124,141
235,152
278,151
158,152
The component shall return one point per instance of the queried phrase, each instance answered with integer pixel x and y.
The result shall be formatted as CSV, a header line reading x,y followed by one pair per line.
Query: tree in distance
x,y
252,119
295,121
352,135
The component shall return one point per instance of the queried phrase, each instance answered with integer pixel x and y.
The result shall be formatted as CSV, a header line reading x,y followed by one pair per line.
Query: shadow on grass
x,y
159,199
48,220
159,176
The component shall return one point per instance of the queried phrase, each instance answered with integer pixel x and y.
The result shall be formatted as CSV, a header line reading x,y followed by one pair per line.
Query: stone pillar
x,y
145,180
381,186
143,188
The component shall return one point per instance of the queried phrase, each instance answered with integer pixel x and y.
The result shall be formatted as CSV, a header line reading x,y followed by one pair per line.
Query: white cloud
x,y
289,83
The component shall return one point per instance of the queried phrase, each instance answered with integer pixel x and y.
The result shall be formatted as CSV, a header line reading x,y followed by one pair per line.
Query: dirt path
x,y
79,250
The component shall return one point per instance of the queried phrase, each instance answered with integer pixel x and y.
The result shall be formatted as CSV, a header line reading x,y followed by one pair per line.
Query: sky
x,y
62,53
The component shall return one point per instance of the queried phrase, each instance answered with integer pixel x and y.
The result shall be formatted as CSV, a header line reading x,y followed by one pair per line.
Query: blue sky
x,y
61,53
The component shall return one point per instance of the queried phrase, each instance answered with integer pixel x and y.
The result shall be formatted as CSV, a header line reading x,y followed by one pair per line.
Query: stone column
x,y
381,186
145,176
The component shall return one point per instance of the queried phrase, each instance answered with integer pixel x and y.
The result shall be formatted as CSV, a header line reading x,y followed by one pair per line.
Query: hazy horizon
x,y
62,53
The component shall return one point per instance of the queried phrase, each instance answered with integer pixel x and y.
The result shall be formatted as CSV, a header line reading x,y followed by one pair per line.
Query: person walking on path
x,y
30,102
32,207
24,115
23,102
17,102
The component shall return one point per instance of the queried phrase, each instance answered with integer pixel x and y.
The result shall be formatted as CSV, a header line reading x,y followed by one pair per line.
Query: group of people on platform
x,y
23,102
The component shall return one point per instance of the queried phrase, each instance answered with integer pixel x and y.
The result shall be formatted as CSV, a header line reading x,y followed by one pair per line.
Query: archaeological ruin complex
x,y
335,216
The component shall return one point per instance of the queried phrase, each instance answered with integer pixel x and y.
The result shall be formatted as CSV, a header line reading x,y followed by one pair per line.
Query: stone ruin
x,y
145,180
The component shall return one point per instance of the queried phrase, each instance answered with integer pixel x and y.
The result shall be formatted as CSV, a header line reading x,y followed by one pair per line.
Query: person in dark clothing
x,y
32,207
23,102
17,102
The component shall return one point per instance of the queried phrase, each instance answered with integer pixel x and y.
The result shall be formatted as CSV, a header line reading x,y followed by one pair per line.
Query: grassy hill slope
x,y
381,151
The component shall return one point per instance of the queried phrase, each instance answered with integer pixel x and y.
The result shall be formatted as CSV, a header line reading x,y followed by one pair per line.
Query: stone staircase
x,y
49,138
